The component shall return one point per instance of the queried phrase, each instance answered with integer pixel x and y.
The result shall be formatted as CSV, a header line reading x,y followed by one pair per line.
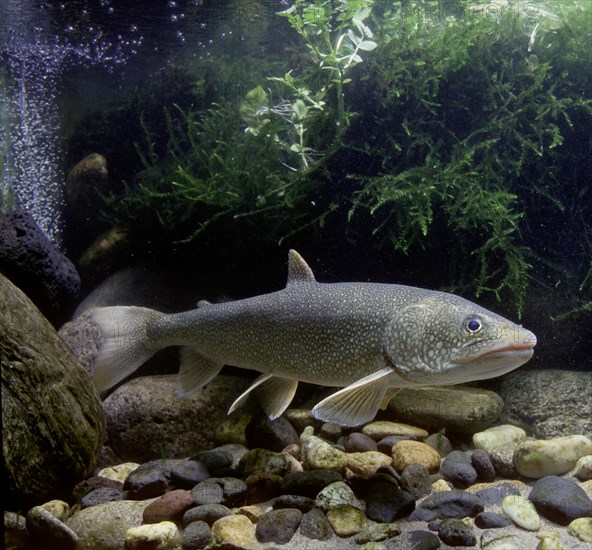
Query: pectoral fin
x,y
273,393
195,372
357,403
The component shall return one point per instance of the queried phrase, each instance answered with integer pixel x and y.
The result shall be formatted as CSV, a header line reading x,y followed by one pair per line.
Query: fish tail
x,y
125,343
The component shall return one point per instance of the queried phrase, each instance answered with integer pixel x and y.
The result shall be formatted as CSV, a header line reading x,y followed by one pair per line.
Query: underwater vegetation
x,y
471,127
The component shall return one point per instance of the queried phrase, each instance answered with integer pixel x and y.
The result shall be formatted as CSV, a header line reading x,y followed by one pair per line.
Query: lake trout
x,y
372,338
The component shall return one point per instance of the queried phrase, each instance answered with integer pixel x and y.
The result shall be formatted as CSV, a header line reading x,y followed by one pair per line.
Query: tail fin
x,y
125,344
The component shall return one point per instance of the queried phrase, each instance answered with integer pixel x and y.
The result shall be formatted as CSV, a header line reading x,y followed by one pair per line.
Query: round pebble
x,y
100,495
207,513
456,468
383,428
335,494
188,473
498,436
581,528
522,512
119,472
169,507
310,483
235,531
196,536
278,526
560,500
502,459
304,504
270,434
157,536
490,520
455,532
415,452
358,443
439,442
415,479
207,492
386,502
346,520
314,525
482,463
583,469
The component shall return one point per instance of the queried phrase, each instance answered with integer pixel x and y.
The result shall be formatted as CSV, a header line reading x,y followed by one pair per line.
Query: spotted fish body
x,y
371,338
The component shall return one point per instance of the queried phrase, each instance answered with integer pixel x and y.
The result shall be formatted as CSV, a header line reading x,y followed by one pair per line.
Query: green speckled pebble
x,y
522,512
581,528
498,436
346,520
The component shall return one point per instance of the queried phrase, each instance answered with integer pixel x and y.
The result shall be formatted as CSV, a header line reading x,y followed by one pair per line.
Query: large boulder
x,y
32,262
53,423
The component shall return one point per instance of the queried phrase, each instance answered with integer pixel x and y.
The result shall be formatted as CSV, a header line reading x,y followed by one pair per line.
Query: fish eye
x,y
473,325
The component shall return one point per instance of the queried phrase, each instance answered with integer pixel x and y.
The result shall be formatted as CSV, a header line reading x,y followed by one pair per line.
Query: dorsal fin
x,y
298,270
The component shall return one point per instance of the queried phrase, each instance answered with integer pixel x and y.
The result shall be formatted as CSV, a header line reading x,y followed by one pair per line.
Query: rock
x,y
377,533
35,265
314,525
233,489
207,492
301,418
188,473
538,458
58,509
304,504
581,528
262,460
553,396
235,531
47,531
380,429
119,472
418,540
317,454
335,494
414,452
456,468
278,526
346,520
208,513
460,409
48,402
232,429
365,465
196,536
147,420
522,512
16,535
169,507
560,500
550,540
455,532
490,520
385,502
100,495
157,536
331,432
498,436
415,479
263,486
104,526
149,480
358,443
386,444
441,485
439,442
448,504
236,450
583,468
309,483
494,495
481,462
88,485
502,459
216,459
270,434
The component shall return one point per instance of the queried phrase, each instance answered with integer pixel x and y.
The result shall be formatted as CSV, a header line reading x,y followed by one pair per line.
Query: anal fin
x,y
273,393
195,372
357,403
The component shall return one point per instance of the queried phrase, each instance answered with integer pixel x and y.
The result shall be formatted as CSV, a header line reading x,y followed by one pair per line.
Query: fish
x,y
369,339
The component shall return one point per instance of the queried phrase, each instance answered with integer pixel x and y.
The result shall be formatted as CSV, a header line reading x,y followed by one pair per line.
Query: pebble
x,y
314,525
100,495
386,444
119,472
304,504
207,513
415,452
169,507
157,536
357,442
58,509
456,468
560,500
237,531
335,494
346,520
301,419
310,483
367,464
522,512
482,463
196,536
418,540
415,479
587,487
188,473
215,459
270,434
233,489
262,460
383,428
498,436
448,504
47,530
386,502
439,442
317,454
441,485
263,486
502,459
583,469
332,432
550,540
95,482
377,533
233,429
151,479
278,526
455,532
207,492
251,511
581,528
494,495
491,520
539,458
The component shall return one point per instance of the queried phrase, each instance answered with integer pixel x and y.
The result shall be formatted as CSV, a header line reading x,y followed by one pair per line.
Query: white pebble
x,y
156,536
522,512
498,436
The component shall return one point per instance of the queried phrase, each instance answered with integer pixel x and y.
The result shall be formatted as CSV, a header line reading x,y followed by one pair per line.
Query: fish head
x,y
446,340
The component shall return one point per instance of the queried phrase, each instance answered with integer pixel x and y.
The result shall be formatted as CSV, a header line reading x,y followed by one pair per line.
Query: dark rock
x,y
385,445
493,496
447,504
491,520
196,536
207,492
90,484
169,507
188,473
208,513
98,496
502,459
48,532
415,479
233,489
270,434
331,432
53,423
263,486
310,483
357,442
481,462
418,540
456,468
278,526
456,533
386,502
33,263
149,480
560,500
263,460
439,442
314,525
304,504
214,460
